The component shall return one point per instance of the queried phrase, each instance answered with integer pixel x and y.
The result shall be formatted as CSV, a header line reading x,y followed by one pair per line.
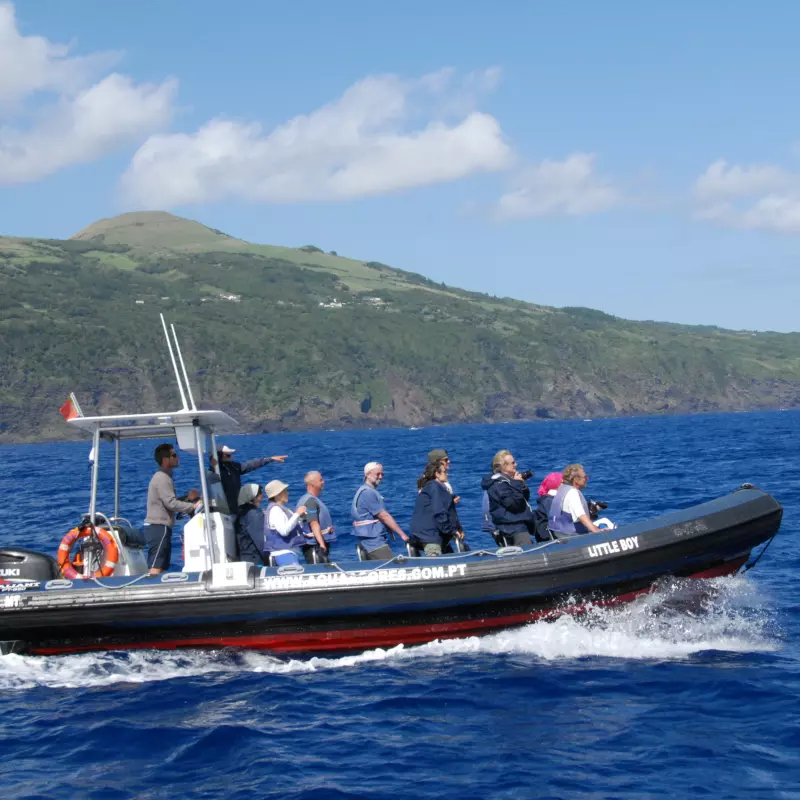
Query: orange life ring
x,y
67,566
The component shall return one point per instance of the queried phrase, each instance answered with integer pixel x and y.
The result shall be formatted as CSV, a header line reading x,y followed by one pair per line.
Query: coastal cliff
x,y
291,338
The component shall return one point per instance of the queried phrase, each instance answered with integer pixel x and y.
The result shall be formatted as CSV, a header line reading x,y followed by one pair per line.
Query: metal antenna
x,y
174,365
183,367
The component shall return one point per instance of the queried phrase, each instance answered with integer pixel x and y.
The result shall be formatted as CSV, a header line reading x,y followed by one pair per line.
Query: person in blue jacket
x,y
508,500
435,522
249,525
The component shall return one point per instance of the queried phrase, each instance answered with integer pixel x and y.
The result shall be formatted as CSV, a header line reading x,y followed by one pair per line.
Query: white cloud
x,y
550,188
382,135
56,115
761,196
90,125
31,64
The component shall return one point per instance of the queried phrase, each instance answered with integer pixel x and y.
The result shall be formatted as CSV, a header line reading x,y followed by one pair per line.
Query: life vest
x,y
325,521
559,520
276,541
365,526
487,524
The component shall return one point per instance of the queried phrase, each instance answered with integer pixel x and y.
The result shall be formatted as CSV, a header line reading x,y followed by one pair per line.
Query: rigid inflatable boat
x,y
219,601
360,605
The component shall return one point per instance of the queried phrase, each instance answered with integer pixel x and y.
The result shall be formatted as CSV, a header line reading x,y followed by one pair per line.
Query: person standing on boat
x,y
162,506
371,521
230,472
283,529
508,500
318,526
569,512
249,525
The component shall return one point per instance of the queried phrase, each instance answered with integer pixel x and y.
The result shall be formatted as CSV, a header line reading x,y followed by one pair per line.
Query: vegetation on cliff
x,y
289,338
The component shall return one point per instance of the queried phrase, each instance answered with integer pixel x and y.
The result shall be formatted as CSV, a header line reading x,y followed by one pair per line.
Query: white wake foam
x,y
677,622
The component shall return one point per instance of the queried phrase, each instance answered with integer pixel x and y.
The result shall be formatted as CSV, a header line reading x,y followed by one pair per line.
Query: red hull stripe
x,y
728,568
368,638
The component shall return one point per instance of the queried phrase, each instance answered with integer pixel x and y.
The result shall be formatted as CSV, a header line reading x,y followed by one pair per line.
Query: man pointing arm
x,y
230,472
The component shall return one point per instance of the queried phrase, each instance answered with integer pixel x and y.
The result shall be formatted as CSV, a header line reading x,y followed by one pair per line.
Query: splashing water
x,y
680,619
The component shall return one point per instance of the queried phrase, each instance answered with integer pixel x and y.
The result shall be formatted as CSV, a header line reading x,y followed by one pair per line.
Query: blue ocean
x,y
681,693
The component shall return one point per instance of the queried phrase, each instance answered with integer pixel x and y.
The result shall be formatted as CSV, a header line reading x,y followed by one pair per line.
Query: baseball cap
x,y
369,466
227,450
437,455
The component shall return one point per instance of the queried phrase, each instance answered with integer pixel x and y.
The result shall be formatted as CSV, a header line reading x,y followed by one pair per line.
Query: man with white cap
x,y
230,473
371,521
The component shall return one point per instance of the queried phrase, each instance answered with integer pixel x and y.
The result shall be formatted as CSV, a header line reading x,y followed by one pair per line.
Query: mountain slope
x,y
263,339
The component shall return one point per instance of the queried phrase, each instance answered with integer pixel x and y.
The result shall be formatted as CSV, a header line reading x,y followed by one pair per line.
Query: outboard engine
x,y
19,564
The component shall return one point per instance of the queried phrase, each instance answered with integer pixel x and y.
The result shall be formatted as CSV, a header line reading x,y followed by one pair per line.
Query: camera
x,y
526,475
595,507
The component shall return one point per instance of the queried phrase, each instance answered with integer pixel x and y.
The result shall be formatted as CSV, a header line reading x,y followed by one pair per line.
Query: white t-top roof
x,y
145,426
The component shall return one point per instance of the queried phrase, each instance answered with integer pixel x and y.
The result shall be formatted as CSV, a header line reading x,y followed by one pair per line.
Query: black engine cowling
x,y
20,564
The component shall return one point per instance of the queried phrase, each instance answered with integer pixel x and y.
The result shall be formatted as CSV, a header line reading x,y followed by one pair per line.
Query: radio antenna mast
x,y
174,365
183,366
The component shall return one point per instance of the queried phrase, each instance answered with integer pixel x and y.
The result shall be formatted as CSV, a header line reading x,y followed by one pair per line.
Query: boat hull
x,y
410,601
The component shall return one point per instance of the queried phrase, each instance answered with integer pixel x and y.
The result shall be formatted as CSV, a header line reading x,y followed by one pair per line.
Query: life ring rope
x,y
67,565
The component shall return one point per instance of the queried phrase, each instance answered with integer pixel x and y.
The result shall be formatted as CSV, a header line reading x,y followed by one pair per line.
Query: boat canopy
x,y
157,425
191,427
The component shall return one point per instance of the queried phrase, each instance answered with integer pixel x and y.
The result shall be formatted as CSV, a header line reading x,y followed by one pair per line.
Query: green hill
x,y
264,339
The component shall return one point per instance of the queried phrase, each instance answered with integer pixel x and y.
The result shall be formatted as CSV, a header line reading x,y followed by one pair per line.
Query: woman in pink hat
x,y
547,491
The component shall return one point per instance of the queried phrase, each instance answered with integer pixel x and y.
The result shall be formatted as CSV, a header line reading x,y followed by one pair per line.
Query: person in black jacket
x,y
435,522
508,500
249,525
230,473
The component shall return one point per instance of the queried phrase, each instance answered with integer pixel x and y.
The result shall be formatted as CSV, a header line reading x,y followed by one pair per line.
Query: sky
x,y
638,158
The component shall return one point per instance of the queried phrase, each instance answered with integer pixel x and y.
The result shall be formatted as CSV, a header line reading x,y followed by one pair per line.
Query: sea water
x,y
694,690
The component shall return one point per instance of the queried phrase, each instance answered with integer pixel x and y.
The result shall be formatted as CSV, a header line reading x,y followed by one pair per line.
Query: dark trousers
x,y
383,553
518,539
521,539
159,546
